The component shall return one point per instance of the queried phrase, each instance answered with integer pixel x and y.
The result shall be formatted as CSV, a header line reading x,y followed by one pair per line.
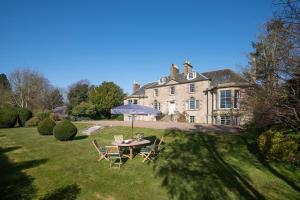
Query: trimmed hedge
x,y
34,121
8,117
46,126
42,115
65,130
24,115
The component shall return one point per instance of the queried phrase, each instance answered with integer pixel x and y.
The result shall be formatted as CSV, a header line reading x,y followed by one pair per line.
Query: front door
x,y
171,107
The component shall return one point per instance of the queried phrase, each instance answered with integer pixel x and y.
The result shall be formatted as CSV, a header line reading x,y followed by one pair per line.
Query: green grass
x,y
193,166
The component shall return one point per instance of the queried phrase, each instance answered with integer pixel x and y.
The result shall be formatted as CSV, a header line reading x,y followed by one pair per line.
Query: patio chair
x,y
114,155
149,152
101,150
118,138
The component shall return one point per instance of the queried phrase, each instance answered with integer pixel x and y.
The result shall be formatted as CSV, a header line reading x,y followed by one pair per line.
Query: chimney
x,y
187,67
174,71
136,86
253,69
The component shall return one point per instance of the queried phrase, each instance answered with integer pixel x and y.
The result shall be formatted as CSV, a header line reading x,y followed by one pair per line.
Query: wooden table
x,y
131,145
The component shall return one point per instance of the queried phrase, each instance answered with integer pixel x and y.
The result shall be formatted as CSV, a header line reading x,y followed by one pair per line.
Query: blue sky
x,y
126,40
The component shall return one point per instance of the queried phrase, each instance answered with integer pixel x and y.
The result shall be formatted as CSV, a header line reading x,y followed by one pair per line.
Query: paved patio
x,y
170,125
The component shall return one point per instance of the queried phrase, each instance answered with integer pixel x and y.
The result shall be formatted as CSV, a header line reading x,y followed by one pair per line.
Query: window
x,y
172,90
225,120
192,88
191,75
162,80
225,99
130,101
135,101
192,119
156,105
155,92
236,103
193,104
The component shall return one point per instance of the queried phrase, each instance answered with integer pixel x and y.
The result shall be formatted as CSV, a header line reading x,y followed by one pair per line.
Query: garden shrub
x,y
54,116
34,121
24,115
42,115
275,145
46,126
8,117
65,130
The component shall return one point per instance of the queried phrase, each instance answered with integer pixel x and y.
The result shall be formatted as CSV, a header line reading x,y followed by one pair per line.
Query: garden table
x,y
131,144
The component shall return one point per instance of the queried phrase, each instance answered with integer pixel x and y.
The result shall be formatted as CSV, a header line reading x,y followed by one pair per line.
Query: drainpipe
x,y
207,107
212,107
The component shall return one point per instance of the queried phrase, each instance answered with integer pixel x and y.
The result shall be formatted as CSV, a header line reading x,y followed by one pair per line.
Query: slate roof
x,y
217,77
224,76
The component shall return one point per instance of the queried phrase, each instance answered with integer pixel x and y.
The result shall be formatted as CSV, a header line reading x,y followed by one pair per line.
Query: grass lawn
x,y
193,166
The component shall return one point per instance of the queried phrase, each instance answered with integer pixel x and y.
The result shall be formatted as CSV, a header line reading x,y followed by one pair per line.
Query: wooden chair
x,y
118,138
149,152
114,155
101,150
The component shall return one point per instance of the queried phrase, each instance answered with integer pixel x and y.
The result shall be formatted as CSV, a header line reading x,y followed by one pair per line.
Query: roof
x,y
224,76
216,77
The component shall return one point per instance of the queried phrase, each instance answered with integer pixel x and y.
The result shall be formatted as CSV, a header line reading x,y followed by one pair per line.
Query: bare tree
x,y
29,89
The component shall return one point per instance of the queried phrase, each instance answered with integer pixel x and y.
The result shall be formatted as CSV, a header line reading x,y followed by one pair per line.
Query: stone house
x,y
210,97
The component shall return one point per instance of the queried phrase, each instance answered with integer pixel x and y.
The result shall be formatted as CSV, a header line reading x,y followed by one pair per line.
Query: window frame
x,y
156,105
236,99
155,92
129,101
135,101
227,99
174,91
226,119
192,118
194,86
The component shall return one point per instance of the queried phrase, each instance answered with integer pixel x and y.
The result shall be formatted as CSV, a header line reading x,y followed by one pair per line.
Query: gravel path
x,y
169,125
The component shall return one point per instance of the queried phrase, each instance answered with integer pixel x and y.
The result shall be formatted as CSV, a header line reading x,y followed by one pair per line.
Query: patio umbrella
x,y
134,109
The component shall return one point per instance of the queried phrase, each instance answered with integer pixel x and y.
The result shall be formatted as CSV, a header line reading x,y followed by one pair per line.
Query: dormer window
x,y
191,75
162,80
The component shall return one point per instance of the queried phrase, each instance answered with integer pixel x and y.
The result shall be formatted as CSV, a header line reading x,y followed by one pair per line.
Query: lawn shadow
x,y
254,150
80,137
69,192
14,184
193,168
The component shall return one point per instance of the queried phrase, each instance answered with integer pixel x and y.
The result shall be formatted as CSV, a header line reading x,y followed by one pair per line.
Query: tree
x,y
4,83
5,90
78,92
29,89
54,99
106,96
274,64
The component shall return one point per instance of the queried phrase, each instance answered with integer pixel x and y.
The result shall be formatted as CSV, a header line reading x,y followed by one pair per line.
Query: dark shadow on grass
x,y
80,137
253,148
14,184
192,168
69,192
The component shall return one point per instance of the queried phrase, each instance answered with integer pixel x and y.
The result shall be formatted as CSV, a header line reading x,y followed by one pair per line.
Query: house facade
x,y
210,97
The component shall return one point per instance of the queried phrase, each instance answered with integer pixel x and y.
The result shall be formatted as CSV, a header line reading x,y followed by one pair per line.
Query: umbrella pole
x,y
132,118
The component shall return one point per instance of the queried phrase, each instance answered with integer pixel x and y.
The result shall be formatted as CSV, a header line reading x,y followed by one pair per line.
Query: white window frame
x,y
236,100
191,75
130,101
195,102
156,105
135,101
155,92
192,119
174,91
190,88
226,104
225,120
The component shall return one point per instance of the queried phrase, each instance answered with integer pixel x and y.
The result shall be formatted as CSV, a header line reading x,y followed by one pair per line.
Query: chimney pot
x,y
136,86
174,71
